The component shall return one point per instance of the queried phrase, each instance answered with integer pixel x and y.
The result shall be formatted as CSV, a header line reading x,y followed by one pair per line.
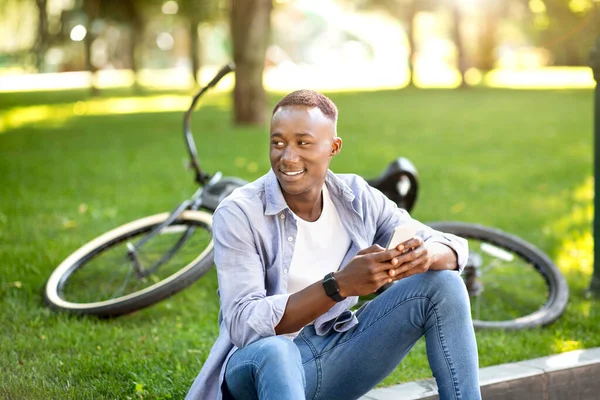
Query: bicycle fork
x,y
132,250
473,274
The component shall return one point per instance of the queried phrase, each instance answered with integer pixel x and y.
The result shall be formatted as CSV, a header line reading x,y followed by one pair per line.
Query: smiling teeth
x,y
293,173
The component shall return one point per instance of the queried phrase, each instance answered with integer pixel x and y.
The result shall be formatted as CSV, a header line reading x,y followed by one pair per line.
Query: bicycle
x,y
511,283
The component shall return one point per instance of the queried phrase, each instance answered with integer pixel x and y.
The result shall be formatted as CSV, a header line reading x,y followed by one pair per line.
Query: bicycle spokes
x,y
502,286
124,268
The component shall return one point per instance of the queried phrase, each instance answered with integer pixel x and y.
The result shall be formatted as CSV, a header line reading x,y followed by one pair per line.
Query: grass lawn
x,y
72,168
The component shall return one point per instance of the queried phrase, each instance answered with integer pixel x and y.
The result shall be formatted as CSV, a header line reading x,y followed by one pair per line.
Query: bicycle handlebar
x,y
201,177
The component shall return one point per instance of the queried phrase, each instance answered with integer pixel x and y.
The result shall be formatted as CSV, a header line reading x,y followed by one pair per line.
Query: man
x,y
293,251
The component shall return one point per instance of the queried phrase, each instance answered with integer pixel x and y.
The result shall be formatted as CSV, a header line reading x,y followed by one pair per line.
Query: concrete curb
x,y
574,375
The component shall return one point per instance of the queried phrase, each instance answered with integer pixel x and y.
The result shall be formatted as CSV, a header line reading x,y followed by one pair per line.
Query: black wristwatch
x,y
332,288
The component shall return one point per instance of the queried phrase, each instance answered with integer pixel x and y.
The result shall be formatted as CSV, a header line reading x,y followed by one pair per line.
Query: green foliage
x,y
483,156
399,8
567,28
18,21
201,10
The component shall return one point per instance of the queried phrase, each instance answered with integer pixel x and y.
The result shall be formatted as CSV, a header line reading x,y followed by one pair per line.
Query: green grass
x,y
517,160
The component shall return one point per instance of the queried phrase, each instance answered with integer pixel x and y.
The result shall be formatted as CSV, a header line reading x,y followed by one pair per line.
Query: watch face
x,y
331,287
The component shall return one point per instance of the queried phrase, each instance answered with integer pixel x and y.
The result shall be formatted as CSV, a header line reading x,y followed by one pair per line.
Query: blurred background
x,y
329,44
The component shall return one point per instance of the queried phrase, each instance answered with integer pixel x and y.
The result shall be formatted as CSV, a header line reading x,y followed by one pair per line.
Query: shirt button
x,y
281,216
290,238
285,271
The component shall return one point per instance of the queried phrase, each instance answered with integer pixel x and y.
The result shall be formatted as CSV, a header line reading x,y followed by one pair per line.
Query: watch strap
x,y
332,289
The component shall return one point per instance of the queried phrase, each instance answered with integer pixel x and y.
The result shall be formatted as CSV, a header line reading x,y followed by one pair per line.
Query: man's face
x,y
302,143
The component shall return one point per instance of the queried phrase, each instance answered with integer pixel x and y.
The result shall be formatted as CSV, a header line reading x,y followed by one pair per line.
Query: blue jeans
x,y
346,365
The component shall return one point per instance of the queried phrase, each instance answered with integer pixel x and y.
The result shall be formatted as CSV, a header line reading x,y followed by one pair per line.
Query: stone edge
x,y
489,376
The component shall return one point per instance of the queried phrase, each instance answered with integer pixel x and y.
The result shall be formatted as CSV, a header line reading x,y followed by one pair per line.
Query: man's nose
x,y
289,154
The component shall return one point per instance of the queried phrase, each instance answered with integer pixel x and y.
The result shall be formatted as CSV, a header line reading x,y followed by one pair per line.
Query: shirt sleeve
x,y
249,314
390,216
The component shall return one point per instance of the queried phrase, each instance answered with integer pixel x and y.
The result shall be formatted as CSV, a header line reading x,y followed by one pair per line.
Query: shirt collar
x,y
276,202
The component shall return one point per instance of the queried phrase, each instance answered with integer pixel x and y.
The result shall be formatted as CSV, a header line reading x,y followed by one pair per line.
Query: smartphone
x,y
401,234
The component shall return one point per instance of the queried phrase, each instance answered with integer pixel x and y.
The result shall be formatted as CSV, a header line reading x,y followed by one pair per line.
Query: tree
x,y
492,13
405,11
250,28
197,12
128,12
42,41
92,10
461,61
133,12
567,29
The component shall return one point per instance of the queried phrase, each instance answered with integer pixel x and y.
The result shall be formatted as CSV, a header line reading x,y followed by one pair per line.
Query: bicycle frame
x,y
208,195
201,178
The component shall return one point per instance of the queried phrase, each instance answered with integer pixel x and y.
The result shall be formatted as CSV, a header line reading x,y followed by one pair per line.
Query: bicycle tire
x,y
557,290
183,275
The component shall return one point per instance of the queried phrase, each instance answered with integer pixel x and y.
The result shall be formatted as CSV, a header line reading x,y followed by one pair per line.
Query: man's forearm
x,y
303,307
444,257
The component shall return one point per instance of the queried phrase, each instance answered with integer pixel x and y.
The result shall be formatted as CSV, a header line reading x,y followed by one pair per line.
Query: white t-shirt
x,y
320,247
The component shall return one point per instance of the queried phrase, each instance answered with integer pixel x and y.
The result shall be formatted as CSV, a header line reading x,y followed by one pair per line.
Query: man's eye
x,y
277,143
303,143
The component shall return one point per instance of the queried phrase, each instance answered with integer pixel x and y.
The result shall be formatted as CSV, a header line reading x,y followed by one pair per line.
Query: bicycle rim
x,y
100,279
518,285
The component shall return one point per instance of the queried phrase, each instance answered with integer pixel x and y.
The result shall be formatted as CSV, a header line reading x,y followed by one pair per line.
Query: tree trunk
x,y
195,48
136,37
137,30
250,27
412,49
92,7
457,37
487,43
43,36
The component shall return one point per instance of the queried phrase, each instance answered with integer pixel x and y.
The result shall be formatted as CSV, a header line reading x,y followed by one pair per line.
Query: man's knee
x,y
279,350
445,278
447,288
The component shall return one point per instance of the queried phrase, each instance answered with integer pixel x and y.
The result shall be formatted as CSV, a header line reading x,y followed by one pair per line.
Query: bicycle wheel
x,y
100,278
511,283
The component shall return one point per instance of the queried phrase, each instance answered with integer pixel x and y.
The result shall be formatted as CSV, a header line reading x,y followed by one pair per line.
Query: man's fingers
x,y
407,261
406,274
407,266
418,266
412,255
381,278
371,249
413,243
385,256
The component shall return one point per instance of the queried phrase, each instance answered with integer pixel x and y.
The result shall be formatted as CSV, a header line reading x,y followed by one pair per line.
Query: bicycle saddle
x,y
215,192
399,183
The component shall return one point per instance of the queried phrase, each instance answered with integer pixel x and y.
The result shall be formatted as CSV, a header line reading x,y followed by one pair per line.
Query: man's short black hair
x,y
309,98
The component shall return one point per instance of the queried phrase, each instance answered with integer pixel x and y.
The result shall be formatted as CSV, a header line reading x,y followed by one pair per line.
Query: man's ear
x,y
336,146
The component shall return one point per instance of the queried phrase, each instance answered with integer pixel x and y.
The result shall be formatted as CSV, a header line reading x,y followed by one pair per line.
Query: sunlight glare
x,y
576,250
170,7
78,33
46,114
565,360
165,41
289,76
541,78
537,6
581,6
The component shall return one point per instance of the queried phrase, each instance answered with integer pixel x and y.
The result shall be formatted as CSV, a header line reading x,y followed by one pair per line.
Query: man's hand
x,y
368,270
374,266
416,260
421,257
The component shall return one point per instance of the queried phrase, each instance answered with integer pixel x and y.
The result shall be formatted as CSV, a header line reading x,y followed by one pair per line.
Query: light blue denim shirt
x,y
254,234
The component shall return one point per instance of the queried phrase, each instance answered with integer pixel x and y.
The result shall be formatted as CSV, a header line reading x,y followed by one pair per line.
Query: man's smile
x,y
292,173
291,176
